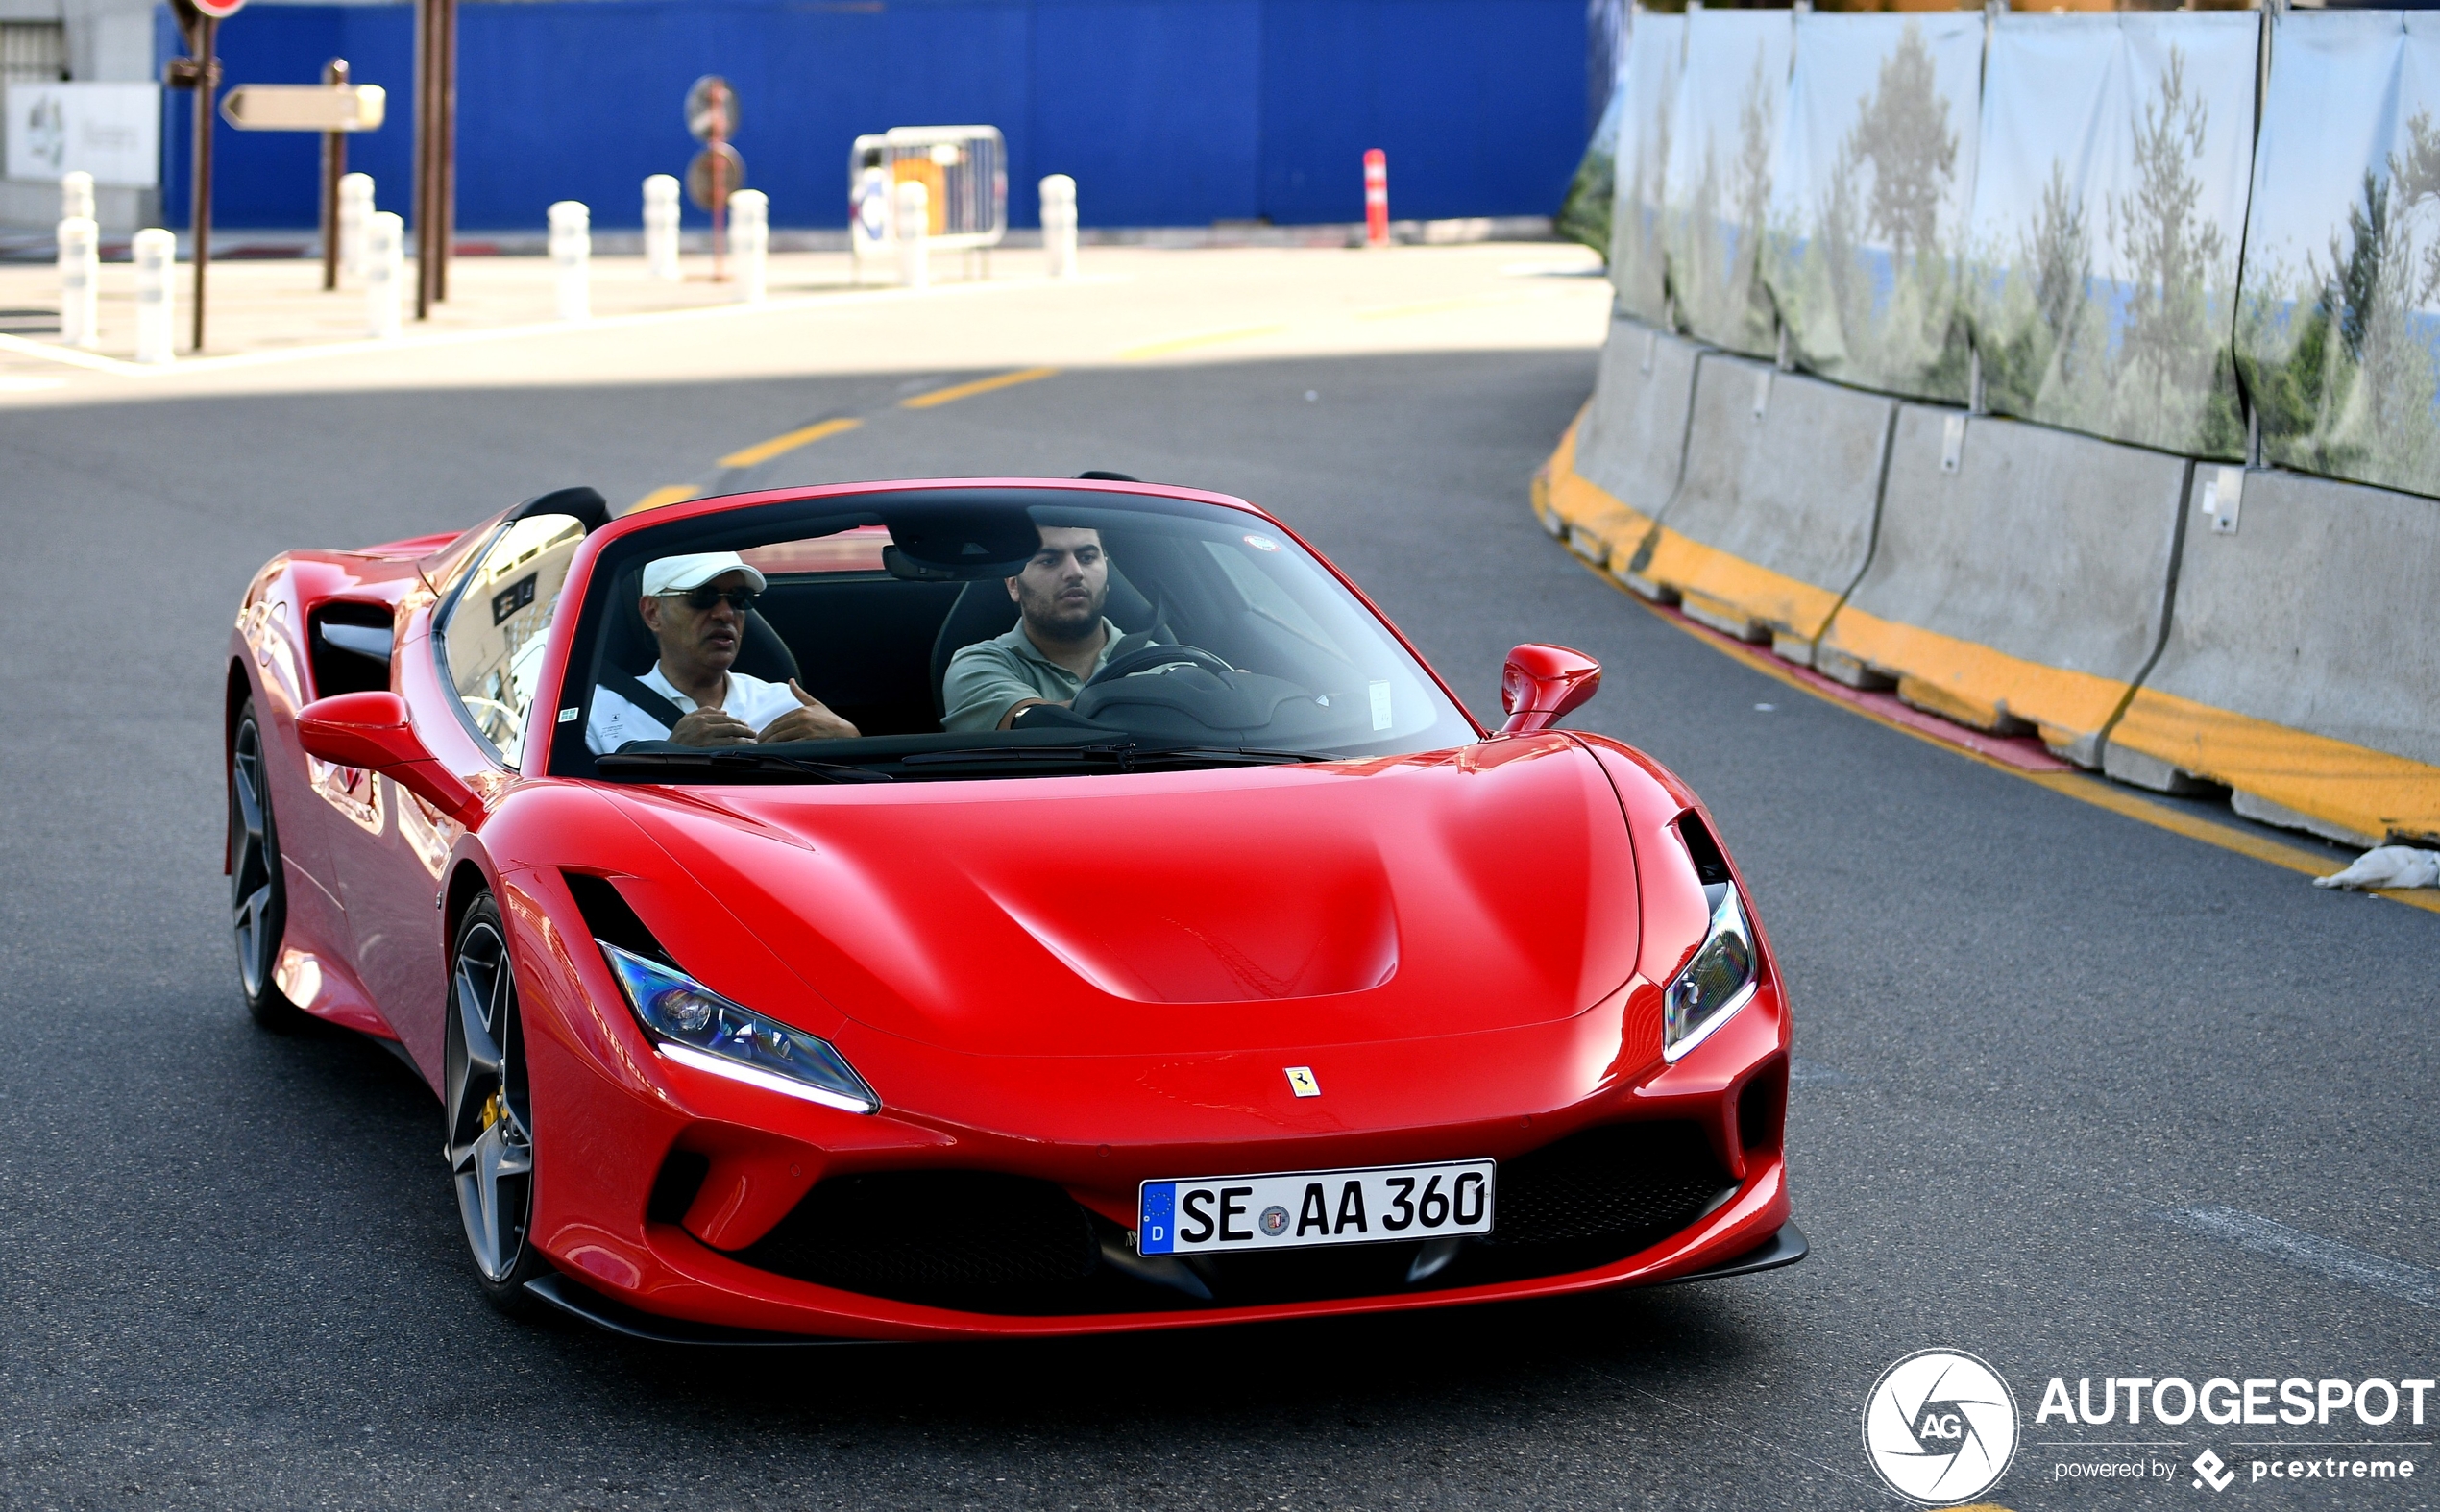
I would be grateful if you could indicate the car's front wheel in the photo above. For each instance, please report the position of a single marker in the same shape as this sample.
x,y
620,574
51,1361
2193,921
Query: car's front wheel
x,y
257,890
489,1103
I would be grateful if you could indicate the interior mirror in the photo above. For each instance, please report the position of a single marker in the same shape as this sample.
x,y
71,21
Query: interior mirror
x,y
371,730
1542,684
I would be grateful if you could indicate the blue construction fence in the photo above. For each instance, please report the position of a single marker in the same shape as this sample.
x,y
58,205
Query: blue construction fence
x,y
1166,112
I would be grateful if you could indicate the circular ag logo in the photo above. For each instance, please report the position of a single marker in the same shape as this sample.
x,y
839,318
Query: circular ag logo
x,y
1939,1427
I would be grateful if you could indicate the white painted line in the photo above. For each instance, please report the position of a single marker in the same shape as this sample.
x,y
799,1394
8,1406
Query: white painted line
x,y
2341,1261
71,355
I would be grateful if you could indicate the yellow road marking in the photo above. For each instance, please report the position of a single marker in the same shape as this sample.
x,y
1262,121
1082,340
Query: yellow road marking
x,y
672,494
1208,338
2098,791
764,451
950,396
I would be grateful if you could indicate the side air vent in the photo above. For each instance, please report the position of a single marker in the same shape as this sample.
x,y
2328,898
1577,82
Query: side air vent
x,y
1762,1109
1710,865
351,648
610,918
674,1189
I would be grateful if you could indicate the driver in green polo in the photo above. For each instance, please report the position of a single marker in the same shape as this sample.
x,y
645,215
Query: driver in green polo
x,y
1059,640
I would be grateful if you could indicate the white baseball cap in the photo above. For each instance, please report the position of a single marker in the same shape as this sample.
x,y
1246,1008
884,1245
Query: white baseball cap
x,y
675,574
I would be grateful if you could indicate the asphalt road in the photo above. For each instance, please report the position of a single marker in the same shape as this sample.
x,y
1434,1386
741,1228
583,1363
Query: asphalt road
x,y
2030,1033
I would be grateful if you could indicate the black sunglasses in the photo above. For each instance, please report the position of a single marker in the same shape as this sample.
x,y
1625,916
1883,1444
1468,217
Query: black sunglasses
x,y
704,598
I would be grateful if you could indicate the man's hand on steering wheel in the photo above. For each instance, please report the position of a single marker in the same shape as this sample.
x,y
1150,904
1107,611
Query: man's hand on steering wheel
x,y
1145,658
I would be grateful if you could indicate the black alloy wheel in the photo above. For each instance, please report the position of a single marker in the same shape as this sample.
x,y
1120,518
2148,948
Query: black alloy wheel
x,y
258,893
490,1109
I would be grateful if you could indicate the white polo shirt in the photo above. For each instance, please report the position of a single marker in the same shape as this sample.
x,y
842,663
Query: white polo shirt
x,y
615,720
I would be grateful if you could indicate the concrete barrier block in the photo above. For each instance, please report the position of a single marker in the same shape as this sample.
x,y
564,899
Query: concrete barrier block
x,y
1773,515
1629,443
1579,516
2019,580
2301,669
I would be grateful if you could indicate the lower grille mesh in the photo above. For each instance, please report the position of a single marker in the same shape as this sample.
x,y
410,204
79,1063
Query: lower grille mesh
x,y
1643,1179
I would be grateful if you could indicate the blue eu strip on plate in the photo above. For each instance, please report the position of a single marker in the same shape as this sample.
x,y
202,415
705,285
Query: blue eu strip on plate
x,y
1156,1234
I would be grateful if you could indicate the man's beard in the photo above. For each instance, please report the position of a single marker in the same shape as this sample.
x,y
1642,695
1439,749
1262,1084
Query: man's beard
x,y
1062,624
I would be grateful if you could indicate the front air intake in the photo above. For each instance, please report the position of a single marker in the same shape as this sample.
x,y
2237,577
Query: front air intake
x,y
974,1240
1632,1185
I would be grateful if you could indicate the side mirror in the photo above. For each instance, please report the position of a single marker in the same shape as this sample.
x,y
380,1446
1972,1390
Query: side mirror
x,y
1542,684
371,730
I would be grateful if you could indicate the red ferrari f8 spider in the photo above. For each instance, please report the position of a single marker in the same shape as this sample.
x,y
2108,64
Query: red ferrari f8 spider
x,y
941,909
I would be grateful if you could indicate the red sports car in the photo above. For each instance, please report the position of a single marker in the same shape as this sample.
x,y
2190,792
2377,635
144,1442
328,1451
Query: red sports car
x,y
937,909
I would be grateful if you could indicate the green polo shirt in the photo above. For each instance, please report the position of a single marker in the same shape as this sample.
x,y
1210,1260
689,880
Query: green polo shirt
x,y
988,677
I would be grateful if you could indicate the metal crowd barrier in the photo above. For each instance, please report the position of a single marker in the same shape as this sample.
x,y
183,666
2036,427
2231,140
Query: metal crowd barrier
x,y
963,170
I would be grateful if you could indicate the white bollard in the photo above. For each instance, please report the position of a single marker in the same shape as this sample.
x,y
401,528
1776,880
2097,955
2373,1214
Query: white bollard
x,y
869,221
384,275
749,236
660,228
1058,225
80,282
914,230
572,257
76,196
355,210
155,261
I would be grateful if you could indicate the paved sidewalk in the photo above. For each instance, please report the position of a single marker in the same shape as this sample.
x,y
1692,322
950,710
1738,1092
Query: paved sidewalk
x,y
258,305
272,326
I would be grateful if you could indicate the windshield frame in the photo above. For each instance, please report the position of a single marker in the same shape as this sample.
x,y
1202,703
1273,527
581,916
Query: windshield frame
x,y
543,752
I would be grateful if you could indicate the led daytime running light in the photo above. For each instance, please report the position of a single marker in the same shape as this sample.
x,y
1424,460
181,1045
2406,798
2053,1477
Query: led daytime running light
x,y
695,1026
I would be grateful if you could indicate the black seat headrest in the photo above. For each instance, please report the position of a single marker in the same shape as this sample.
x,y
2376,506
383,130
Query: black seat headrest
x,y
586,505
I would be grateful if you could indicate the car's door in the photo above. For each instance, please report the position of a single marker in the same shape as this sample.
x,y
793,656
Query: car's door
x,y
465,667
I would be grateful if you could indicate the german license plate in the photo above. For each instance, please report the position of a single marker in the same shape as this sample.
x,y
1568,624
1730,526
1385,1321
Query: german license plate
x,y
1301,1209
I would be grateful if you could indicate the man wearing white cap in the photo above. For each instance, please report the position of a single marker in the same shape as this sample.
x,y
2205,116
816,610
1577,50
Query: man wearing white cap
x,y
695,608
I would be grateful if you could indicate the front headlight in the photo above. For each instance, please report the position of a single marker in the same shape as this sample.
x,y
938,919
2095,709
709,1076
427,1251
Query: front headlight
x,y
695,1026
1717,981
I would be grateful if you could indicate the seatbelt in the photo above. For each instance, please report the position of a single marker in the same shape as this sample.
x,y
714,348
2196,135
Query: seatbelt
x,y
634,691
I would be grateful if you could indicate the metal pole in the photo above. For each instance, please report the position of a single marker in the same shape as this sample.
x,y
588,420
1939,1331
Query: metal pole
x,y
334,163
423,114
431,145
207,86
444,242
719,180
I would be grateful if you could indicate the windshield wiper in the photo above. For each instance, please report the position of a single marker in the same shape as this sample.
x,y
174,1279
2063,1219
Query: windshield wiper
x,y
734,759
1231,755
1125,755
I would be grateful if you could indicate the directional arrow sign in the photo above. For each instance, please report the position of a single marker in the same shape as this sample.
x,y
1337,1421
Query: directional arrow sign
x,y
303,107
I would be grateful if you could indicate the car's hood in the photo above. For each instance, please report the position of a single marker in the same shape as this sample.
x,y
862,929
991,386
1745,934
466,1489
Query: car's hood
x,y
1181,912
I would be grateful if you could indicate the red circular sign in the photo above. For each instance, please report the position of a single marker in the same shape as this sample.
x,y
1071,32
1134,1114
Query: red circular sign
x,y
219,10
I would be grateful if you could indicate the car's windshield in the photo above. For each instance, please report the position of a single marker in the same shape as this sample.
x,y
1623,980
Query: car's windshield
x,y
949,633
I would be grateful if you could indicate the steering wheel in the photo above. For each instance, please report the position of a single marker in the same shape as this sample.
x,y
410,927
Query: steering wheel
x,y
1145,658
